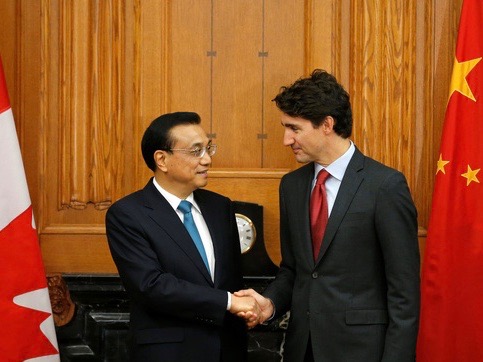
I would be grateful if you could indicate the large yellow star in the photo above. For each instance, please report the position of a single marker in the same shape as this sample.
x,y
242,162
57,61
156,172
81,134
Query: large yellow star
x,y
441,164
458,78
470,175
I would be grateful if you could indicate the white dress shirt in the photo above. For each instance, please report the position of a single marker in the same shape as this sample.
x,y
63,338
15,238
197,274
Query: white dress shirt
x,y
337,170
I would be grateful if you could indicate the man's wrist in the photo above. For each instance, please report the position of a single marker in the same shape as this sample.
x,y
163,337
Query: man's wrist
x,y
269,319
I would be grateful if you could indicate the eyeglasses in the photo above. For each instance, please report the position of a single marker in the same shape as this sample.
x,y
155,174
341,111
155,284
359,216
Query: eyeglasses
x,y
198,151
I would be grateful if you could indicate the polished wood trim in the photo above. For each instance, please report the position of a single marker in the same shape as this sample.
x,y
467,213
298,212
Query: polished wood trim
x,y
78,229
247,173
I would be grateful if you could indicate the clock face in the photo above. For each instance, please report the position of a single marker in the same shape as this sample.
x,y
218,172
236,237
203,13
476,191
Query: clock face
x,y
247,232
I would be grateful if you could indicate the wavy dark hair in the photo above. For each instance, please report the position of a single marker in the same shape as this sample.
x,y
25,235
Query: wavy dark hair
x,y
316,97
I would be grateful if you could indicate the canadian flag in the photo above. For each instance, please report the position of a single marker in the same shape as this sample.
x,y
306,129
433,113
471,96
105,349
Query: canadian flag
x,y
27,330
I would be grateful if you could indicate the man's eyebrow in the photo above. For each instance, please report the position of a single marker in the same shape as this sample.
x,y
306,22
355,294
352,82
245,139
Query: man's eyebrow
x,y
200,144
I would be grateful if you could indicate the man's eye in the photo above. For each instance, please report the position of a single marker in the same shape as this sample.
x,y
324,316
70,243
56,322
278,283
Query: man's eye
x,y
196,151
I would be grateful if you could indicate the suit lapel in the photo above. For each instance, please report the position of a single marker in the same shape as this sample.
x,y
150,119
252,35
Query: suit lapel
x,y
348,188
301,186
163,214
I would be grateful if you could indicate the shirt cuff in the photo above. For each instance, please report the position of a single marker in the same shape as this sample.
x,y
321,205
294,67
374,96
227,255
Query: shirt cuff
x,y
228,304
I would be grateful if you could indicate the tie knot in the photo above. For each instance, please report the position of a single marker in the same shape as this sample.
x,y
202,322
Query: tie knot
x,y
184,206
322,176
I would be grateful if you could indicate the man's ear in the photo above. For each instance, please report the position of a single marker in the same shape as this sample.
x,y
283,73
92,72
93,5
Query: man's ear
x,y
160,160
328,124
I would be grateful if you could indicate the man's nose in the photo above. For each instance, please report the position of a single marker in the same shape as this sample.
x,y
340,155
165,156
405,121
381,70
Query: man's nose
x,y
288,138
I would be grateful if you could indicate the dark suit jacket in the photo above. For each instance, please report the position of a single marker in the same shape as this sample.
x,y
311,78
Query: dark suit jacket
x,y
360,300
177,312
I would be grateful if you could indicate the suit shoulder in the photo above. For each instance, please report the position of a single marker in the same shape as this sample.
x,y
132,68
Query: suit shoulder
x,y
136,195
127,201
299,172
383,175
210,196
376,165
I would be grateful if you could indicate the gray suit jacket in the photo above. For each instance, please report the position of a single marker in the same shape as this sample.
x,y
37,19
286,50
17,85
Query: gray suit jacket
x,y
360,300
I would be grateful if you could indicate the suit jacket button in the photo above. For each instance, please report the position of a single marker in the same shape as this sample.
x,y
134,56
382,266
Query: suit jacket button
x,y
315,275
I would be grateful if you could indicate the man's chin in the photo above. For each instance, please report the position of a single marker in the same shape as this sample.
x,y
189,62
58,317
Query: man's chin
x,y
301,158
202,183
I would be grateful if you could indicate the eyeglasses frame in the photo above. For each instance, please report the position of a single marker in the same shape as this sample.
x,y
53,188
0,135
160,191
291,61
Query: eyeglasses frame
x,y
202,149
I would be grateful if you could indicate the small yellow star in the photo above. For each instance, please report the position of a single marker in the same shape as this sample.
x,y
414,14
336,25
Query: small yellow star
x,y
441,164
470,175
458,78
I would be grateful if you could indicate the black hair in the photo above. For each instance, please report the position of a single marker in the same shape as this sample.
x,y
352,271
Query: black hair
x,y
316,97
158,135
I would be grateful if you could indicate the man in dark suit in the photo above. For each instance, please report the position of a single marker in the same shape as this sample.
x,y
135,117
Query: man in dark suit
x,y
353,290
179,280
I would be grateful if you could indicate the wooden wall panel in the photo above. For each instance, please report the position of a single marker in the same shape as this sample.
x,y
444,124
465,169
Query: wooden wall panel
x,y
425,139
149,66
229,67
86,78
237,86
191,56
284,43
383,61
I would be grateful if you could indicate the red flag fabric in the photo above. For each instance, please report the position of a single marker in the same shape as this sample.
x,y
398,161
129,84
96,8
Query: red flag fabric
x,y
27,330
451,325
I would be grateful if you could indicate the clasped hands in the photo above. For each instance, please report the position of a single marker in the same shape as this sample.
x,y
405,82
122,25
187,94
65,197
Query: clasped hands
x,y
251,306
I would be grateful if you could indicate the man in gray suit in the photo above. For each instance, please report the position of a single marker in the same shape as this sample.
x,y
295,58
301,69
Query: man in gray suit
x,y
352,286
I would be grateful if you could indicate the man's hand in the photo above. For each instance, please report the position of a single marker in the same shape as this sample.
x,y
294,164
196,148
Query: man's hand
x,y
245,306
265,306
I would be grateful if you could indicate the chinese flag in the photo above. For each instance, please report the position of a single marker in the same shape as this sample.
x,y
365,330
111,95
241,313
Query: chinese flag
x,y
451,326
27,330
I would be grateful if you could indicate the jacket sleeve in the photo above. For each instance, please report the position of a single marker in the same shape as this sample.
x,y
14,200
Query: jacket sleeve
x,y
280,290
397,231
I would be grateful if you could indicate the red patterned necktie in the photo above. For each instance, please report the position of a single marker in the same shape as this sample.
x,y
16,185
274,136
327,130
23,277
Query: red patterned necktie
x,y
319,212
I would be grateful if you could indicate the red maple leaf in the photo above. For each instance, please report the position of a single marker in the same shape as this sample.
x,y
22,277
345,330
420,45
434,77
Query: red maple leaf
x,y
21,271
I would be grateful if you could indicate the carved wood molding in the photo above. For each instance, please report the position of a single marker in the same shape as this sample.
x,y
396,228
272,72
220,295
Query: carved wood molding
x,y
90,75
62,306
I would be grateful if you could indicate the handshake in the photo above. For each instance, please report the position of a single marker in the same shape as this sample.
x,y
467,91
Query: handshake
x,y
251,306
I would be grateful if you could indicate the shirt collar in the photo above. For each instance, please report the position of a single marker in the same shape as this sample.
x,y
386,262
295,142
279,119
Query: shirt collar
x,y
175,200
338,167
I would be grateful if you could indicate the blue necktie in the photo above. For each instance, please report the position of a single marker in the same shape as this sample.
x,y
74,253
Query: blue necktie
x,y
189,223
